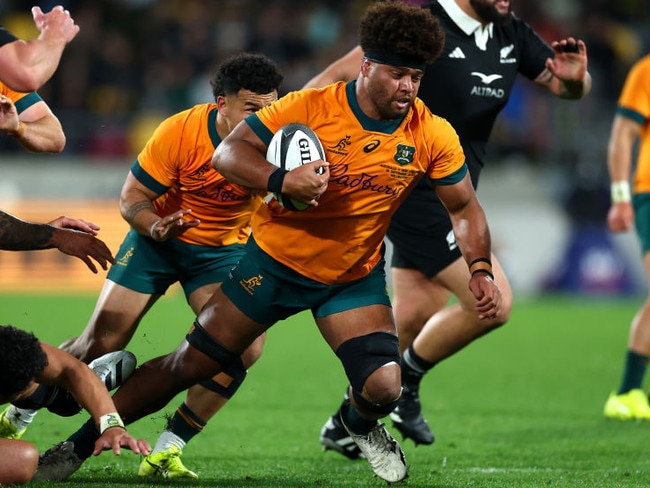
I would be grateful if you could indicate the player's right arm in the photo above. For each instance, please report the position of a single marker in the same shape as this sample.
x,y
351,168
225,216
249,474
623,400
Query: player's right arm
x,y
345,68
26,65
137,208
67,372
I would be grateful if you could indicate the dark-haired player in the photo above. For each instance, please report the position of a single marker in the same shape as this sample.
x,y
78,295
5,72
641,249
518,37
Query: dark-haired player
x,y
486,47
26,364
329,258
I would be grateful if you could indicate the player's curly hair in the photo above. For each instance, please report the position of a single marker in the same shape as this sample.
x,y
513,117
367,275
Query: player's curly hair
x,y
247,71
402,29
21,359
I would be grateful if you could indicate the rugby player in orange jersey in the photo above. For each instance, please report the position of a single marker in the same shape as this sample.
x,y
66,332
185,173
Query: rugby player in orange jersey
x,y
380,140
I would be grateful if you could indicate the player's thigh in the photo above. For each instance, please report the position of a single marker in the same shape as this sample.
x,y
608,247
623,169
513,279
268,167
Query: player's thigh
x,y
340,327
227,325
116,316
199,297
416,294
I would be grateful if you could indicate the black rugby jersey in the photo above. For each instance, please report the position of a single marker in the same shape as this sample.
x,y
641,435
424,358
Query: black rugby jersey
x,y
6,37
469,87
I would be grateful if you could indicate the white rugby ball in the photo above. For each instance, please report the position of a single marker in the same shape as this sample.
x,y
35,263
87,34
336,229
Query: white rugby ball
x,y
291,147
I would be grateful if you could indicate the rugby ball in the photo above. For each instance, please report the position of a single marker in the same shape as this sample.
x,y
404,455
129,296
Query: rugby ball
x,y
291,147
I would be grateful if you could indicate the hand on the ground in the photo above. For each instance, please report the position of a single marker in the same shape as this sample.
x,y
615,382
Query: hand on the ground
x,y
116,437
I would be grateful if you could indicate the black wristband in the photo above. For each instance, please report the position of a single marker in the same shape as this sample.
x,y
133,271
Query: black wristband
x,y
480,260
487,272
276,179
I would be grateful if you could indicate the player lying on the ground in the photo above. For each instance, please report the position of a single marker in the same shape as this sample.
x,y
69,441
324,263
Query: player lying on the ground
x,y
25,364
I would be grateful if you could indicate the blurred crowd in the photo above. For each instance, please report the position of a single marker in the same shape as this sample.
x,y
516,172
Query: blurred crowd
x,y
136,61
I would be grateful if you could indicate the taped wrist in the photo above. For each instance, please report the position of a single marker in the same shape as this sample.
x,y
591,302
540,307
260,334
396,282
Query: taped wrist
x,y
109,421
620,192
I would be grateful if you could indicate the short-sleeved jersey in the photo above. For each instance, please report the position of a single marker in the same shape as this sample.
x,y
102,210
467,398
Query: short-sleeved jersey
x,y
6,37
176,163
373,165
634,103
21,100
469,87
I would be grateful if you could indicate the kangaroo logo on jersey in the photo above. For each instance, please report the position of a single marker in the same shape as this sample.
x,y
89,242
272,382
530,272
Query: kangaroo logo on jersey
x,y
505,53
485,90
341,147
124,259
250,284
404,154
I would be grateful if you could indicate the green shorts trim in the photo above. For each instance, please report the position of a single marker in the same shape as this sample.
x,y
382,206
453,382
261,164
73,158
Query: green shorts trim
x,y
152,267
268,291
641,205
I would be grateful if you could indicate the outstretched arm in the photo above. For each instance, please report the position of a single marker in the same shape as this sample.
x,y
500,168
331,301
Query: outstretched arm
x,y
566,75
67,372
62,233
26,65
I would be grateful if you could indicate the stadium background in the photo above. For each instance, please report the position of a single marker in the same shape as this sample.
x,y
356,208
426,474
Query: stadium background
x,y
135,62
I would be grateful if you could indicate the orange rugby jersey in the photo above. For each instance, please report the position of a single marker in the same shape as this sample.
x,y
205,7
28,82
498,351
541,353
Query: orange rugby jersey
x,y
373,165
634,103
21,100
177,160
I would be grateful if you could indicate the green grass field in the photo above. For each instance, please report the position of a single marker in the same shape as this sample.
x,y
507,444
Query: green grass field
x,y
521,407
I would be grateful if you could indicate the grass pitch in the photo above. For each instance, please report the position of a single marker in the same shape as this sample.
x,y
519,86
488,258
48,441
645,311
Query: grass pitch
x,y
522,407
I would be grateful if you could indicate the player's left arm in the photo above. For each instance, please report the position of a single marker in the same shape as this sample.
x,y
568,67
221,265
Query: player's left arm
x,y
36,128
473,237
67,372
566,74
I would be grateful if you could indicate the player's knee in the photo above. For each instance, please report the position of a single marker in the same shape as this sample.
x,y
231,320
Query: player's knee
x,y
24,462
383,386
198,362
371,363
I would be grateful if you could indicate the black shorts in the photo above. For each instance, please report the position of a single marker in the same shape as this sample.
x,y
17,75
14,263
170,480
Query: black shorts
x,y
422,235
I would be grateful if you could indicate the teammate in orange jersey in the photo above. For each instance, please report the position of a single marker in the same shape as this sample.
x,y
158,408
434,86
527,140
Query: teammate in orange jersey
x,y
379,140
188,225
630,125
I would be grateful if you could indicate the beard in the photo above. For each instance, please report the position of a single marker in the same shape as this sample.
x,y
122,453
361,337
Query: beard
x,y
487,10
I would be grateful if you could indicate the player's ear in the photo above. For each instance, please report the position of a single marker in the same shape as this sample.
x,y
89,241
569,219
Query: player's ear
x,y
366,66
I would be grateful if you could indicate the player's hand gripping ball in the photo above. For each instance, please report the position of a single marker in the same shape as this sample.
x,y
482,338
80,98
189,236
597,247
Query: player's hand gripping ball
x,y
291,147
